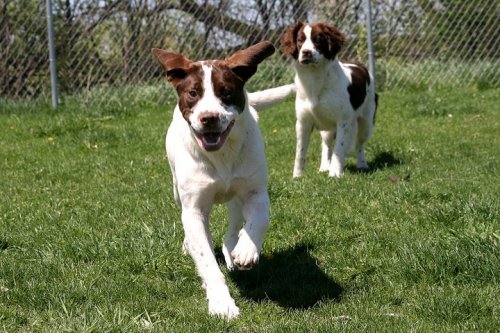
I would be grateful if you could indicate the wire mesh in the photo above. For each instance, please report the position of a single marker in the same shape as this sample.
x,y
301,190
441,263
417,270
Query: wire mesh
x,y
103,46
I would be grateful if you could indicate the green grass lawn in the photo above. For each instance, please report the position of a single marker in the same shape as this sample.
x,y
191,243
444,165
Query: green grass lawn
x,y
90,236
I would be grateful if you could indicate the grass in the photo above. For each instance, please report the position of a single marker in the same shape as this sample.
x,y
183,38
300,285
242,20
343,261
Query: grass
x,y
90,237
397,73
392,74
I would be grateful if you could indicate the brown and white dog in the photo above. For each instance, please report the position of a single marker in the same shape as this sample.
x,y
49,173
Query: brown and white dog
x,y
337,98
216,154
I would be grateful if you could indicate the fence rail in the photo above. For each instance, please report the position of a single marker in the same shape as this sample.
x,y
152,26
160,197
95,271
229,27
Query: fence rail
x,y
103,46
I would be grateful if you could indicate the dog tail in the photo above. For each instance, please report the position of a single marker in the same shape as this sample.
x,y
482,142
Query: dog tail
x,y
264,99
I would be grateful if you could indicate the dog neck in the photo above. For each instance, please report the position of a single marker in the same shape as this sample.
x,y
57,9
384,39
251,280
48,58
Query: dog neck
x,y
313,77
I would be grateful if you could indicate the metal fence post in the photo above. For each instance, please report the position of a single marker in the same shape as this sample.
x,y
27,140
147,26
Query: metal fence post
x,y
371,56
418,43
52,56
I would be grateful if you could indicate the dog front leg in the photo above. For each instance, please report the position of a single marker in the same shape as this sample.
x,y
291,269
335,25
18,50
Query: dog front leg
x,y
198,243
236,220
345,136
326,149
256,213
303,131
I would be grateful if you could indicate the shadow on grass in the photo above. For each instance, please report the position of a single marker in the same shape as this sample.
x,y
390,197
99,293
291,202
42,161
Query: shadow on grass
x,y
4,245
290,278
382,161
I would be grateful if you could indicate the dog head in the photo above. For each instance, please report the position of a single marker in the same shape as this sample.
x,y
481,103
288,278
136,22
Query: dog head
x,y
311,43
211,93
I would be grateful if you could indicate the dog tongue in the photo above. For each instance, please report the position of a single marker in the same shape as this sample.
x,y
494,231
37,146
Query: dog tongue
x,y
210,139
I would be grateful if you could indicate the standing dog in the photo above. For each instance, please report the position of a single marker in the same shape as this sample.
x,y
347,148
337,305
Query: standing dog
x,y
335,97
216,154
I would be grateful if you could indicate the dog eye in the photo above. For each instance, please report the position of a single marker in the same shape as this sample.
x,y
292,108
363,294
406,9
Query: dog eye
x,y
320,37
225,93
193,93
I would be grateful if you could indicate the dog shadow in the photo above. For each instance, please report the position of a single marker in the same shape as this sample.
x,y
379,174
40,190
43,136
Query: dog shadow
x,y
382,160
290,278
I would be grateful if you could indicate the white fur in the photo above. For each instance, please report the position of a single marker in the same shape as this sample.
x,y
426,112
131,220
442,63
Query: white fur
x,y
322,102
236,174
309,46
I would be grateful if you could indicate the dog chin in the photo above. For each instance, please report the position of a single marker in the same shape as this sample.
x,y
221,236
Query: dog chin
x,y
308,61
211,140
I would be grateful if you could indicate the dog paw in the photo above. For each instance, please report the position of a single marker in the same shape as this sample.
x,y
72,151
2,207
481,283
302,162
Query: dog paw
x,y
324,168
297,173
336,168
227,257
246,254
337,173
185,248
362,165
221,304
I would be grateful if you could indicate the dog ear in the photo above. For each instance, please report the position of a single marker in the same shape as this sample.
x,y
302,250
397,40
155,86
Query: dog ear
x,y
335,40
174,64
244,63
289,40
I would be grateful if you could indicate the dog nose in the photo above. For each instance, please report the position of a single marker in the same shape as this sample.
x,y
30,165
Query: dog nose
x,y
307,54
209,118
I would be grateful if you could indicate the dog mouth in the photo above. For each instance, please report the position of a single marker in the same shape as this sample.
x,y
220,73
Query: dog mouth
x,y
213,140
306,61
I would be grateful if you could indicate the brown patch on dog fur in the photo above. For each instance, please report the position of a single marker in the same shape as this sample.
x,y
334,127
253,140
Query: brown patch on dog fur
x,y
228,76
289,40
327,39
175,65
244,62
228,87
359,80
185,76
190,89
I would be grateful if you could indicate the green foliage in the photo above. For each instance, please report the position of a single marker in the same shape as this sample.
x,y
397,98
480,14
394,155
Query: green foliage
x,y
90,235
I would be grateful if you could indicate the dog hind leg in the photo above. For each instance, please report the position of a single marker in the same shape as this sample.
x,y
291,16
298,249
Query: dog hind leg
x,y
364,132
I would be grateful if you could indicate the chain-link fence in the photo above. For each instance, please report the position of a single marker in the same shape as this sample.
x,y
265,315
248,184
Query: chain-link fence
x,y
103,46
